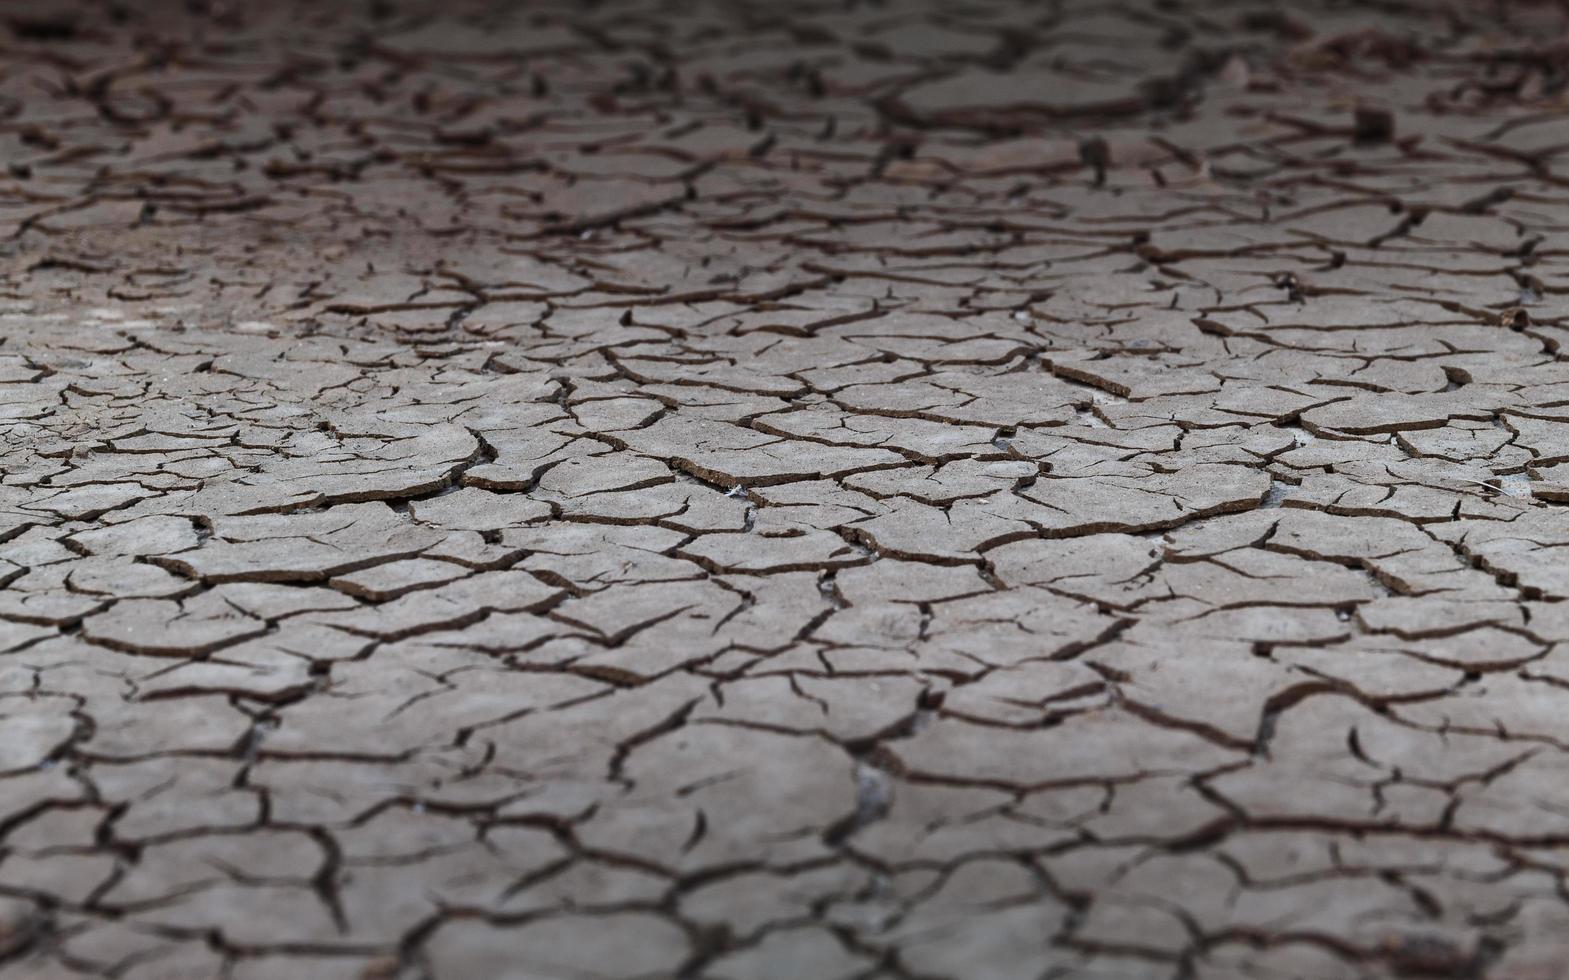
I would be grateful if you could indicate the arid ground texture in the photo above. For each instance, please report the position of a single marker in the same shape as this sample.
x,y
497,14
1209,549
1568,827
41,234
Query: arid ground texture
x,y
919,490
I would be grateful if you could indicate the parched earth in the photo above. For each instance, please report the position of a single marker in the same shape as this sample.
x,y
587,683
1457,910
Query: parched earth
x,y
810,491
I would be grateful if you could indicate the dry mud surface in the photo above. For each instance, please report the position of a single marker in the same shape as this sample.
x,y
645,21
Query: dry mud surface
x,y
807,491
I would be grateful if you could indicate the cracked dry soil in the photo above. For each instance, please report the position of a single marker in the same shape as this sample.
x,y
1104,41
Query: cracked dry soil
x,y
812,491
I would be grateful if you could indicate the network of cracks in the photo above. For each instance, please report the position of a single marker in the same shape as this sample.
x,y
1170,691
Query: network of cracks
x,y
829,490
